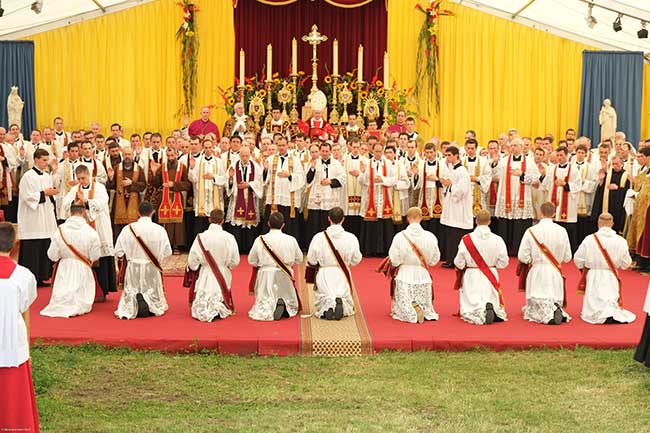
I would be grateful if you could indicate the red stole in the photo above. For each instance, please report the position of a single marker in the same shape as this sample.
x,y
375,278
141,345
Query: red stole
x,y
4,196
483,266
565,193
371,212
7,267
171,213
522,185
245,203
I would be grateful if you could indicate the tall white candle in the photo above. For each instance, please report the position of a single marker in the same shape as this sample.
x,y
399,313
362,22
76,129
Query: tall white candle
x,y
242,66
386,75
294,56
335,54
269,61
360,65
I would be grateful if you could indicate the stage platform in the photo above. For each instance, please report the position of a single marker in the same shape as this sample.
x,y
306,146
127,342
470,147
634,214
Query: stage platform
x,y
372,331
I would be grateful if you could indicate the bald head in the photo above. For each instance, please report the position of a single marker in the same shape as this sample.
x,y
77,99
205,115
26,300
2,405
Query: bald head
x,y
605,220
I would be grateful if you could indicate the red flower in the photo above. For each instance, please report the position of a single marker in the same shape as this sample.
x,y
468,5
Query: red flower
x,y
417,6
374,80
191,7
394,105
248,80
423,120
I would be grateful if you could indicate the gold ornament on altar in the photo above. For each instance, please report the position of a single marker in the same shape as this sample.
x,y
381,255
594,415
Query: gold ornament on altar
x,y
256,107
371,109
345,98
314,38
285,96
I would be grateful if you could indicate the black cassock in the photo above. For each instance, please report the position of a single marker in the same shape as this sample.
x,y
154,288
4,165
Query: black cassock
x,y
616,198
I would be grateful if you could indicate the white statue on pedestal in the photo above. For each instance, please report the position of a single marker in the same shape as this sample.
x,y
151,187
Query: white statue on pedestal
x,y
15,107
607,120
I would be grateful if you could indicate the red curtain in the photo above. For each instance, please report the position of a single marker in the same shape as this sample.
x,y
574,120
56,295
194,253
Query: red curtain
x,y
339,3
258,24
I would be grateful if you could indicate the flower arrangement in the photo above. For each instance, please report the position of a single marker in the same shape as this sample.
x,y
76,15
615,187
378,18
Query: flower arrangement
x,y
187,36
428,51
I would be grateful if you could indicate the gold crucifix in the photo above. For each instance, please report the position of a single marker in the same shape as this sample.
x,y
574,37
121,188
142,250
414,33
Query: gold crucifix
x,y
314,38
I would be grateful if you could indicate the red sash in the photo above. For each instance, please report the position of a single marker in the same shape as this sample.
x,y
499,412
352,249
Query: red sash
x,y
551,258
612,268
245,202
522,185
225,292
565,193
152,258
492,194
371,213
283,267
83,259
339,260
171,213
483,266
423,262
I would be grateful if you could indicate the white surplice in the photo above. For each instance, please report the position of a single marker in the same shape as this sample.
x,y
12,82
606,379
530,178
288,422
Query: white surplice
x,y
214,166
255,183
560,172
96,168
588,186
330,279
324,197
457,200
428,190
602,291
411,163
384,179
413,283
272,283
530,175
351,192
17,293
73,291
477,290
36,218
64,174
97,213
544,284
141,275
479,167
278,189
208,301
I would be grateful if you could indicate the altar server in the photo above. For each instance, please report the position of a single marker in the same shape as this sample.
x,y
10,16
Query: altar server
x,y
480,255
331,253
284,179
93,196
600,256
75,246
456,218
215,253
413,250
18,410
145,245
36,220
545,247
273,256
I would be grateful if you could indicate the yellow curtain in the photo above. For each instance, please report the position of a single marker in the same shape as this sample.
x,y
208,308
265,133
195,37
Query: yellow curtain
x,y
125,67
645,104
494,74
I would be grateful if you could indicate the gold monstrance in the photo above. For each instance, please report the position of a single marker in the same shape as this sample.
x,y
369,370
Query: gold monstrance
x,y
314,38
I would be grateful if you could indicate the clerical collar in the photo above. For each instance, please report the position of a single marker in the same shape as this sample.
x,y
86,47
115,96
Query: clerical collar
x,y
196,155
563,165
326,161
39,172
411,158
208,158
516,158
354,157
431,162
73,161
471,158
458,164
87,159
85,186
580,162
58,133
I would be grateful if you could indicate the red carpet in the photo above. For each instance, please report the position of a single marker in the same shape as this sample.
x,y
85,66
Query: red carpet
x,y
177,331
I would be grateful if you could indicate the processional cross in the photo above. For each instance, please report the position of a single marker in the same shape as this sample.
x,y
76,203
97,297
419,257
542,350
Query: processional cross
x,y
314,38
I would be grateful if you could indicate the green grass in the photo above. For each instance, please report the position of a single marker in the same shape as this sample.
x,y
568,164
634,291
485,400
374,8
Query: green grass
x,y
91,389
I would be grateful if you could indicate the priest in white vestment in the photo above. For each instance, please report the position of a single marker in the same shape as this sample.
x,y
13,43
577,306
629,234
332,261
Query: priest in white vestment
x,y
73,290
457,218
516,174
351,196
430,189
284,179
588,184
275,292
36,219
545,282
94,197
88,158
480,301
597,254
143,293
333,291
208,177
209,303
413,250
64,177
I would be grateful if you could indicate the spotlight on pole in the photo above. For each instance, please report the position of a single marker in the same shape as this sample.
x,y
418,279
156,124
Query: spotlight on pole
x,y
617,23
591,21
643,33
37,6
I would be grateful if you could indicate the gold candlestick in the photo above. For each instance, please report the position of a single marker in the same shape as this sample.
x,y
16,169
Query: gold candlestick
x,y
293,115
384,126
359,89
334,114
269,105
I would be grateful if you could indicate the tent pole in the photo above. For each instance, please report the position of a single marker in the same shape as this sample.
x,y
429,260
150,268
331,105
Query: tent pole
x,y
523,8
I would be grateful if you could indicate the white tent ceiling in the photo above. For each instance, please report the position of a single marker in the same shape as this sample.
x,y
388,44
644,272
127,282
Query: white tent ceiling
x,y
19,19
567,18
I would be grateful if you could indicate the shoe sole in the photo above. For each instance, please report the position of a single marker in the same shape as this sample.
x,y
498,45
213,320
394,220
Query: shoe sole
x,y
557,316
419,313
338,310
490,315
